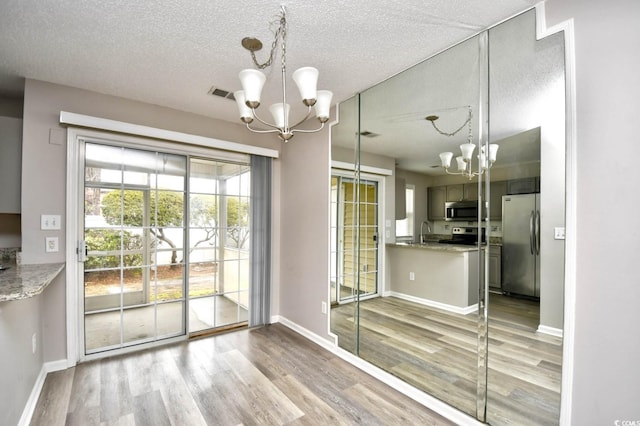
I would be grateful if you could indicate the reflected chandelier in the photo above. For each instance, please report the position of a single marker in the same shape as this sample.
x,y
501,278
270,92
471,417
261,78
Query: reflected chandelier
x,y
464,160
306,78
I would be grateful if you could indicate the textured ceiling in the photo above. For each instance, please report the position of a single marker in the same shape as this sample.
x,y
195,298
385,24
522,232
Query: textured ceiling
x,y
172,52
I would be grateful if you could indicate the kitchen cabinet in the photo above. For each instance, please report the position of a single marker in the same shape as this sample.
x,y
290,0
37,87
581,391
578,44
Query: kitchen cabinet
x,y
498,189
495,265
10,163
463,192
470,191
401,198
530,185
436,198
455,192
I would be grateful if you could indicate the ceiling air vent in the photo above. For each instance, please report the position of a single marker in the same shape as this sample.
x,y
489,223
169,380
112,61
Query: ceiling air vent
x,y
215,91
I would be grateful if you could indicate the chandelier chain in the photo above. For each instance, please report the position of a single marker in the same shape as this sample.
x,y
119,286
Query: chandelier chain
x,y
280,32
468,121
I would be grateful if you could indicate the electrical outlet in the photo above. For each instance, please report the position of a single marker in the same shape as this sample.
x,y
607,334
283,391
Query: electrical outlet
x,y
324,307
558,233
412,276
51,244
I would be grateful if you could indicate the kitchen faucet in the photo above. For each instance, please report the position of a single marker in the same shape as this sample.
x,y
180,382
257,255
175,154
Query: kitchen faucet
x,y
424,222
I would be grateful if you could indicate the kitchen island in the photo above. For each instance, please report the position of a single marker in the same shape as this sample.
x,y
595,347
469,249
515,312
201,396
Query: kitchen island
x,y
444,276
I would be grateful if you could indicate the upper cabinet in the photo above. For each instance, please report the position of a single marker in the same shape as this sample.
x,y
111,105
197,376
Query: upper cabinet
x,y
401,198
455,192
470,191
10,163
528,185
462,192
436,198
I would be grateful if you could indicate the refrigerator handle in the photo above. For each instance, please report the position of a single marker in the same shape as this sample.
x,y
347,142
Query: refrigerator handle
x,y
537,231
531,233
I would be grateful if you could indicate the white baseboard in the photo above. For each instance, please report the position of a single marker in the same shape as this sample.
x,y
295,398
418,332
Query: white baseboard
x,y
445,410
326,344
426,302
30,406
557,332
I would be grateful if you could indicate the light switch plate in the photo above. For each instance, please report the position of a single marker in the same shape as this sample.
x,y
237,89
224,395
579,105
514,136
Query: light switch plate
x,y
50,222
558,233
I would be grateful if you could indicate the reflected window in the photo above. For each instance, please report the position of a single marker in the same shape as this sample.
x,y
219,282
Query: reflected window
x,y
404,227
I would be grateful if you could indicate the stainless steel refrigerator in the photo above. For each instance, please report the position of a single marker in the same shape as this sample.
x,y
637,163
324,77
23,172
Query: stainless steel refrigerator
x,y
521,244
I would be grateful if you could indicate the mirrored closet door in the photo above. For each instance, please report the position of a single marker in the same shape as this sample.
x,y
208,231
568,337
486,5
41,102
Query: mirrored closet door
x,y
451,318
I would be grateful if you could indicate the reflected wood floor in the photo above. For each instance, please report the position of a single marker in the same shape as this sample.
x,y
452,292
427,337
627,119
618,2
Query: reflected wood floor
x,y
436,351
263,376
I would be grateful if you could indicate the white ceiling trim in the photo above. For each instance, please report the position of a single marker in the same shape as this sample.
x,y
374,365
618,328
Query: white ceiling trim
x,y
81,120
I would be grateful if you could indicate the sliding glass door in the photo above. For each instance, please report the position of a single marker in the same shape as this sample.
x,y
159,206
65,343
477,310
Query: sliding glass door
x,y
134,237
165,244
219,237
354,253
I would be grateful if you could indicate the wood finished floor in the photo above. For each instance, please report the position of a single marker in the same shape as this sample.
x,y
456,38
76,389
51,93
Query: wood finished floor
x,y
435,351
264,376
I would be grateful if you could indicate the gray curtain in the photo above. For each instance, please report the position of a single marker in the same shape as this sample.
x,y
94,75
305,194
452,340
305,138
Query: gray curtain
x,y
260,285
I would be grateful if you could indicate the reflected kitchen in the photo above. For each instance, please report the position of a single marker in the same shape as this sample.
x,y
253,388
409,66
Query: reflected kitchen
x,y
445,254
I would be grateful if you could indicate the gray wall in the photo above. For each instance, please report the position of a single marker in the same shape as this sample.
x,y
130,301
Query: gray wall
x,y
606,370
304,232
19,367
10,107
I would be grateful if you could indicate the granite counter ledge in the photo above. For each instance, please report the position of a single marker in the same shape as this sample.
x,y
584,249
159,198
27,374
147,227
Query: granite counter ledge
x,y
449,248
24,281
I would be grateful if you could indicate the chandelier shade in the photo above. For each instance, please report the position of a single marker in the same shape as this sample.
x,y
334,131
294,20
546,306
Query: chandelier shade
x,y
280,113
252,83
467,151
462,165
306,79
323,105
245,112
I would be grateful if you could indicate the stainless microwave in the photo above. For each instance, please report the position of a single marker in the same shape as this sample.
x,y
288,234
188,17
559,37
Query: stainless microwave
x,y
462,211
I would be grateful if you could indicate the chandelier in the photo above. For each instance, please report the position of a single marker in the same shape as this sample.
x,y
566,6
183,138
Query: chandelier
x,y
464,161
253,80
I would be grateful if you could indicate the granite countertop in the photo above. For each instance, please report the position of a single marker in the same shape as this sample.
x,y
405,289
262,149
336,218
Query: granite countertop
x,y
24,281
450,248
436,246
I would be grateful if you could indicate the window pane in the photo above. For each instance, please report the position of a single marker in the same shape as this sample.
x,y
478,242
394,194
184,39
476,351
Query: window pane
x,y
404,227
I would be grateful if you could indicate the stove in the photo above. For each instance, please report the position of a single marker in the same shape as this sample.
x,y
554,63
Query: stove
x,y
464,236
